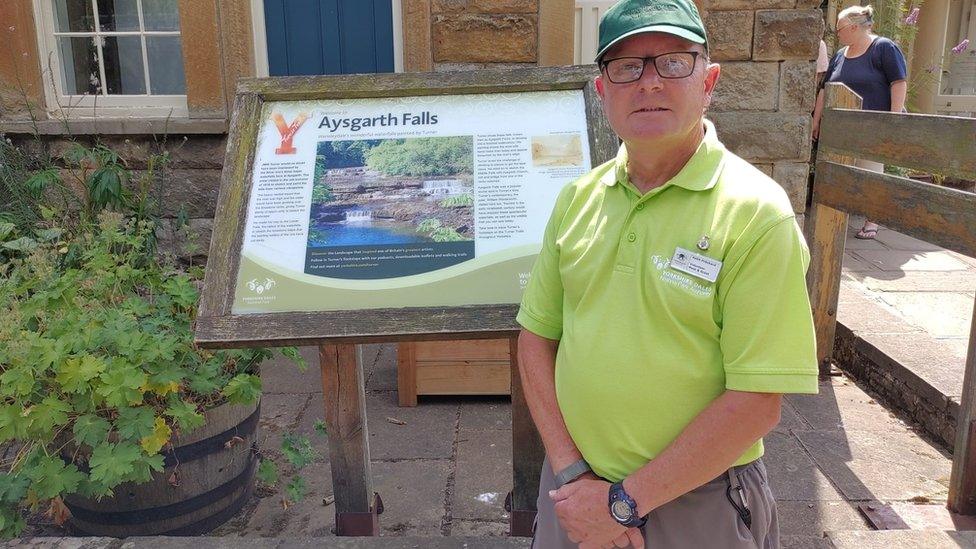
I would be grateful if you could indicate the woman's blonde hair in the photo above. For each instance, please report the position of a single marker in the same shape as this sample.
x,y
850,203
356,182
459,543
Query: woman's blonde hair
x,y
858,15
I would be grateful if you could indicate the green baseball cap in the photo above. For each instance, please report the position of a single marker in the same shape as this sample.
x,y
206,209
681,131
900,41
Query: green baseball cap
x,y
629,17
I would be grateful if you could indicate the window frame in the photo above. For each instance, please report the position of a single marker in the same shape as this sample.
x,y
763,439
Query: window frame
x,y
949,103
101,105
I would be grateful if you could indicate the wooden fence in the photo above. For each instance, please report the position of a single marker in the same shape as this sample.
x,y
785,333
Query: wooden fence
x,y
942,216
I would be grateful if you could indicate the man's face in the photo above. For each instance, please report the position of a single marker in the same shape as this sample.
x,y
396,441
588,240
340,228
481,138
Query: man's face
x,y
654,108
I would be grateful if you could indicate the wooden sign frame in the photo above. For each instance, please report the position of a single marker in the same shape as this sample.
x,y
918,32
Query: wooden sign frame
x,y
218,327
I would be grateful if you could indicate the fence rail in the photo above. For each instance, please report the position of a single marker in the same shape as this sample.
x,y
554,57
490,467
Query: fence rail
x,y
947,217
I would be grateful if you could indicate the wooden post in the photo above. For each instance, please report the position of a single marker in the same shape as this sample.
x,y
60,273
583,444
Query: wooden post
x,y
826,233
962,482
407,373
356,506
527,456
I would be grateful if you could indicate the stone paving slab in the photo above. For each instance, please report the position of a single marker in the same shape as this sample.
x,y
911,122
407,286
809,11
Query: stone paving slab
x,y
941,314
867,465
793,475
482,455
844,408
814,518
428,432
897,260
161,542
902,539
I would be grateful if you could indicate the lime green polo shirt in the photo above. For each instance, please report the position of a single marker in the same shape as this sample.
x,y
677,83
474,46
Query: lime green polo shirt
x,y
643,346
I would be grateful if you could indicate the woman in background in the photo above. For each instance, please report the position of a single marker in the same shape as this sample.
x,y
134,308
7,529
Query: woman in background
x,y
874,68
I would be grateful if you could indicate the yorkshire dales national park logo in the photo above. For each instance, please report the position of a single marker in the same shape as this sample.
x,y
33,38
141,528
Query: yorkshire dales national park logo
x,y
260,290
679,280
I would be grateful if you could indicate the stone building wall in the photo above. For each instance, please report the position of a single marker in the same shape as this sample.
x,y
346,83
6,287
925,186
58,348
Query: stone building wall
x,y
761,109
762,106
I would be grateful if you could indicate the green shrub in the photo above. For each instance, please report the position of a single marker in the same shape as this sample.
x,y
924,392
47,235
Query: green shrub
x,y
99,369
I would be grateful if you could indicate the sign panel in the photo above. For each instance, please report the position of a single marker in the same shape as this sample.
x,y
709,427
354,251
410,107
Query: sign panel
x,y
404,201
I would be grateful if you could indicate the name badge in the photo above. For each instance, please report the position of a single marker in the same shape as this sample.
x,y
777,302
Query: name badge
x,y
697,265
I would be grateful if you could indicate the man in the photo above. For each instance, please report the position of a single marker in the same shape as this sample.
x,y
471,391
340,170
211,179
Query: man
x,y
666,314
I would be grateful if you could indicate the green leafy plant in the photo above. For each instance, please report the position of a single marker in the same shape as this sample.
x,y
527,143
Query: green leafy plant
x,y
98,370
459,201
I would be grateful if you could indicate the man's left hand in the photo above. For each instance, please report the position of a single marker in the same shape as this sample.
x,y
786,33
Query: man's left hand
x,y
582,509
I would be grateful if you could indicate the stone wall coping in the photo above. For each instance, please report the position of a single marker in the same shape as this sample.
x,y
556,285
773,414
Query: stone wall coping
x,y
116,126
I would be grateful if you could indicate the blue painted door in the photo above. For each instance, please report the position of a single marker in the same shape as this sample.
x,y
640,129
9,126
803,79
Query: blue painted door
x,y
329,36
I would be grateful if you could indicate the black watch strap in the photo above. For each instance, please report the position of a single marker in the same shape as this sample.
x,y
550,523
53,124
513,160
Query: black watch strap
x,y
617,496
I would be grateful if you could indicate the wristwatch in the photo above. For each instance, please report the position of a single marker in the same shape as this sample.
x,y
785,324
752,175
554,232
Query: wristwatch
x,y
571,473
623,508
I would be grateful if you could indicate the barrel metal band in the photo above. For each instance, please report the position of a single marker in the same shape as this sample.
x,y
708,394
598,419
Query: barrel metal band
x,y
164,512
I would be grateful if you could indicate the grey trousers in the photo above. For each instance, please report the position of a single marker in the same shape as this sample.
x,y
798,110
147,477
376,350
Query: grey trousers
x,y
703,518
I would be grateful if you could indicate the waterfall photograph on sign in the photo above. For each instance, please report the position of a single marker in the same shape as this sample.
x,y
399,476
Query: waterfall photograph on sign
x,y
373,193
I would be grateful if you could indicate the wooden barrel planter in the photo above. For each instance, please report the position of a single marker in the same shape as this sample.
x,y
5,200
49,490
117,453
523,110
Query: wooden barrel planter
x,y
214,469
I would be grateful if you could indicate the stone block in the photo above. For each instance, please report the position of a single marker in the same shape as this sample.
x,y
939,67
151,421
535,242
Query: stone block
x,y
765,136
793,177
194,190
797,86
747,86
186,243
730,35
484,6
764,168
787,34
725,5
482,38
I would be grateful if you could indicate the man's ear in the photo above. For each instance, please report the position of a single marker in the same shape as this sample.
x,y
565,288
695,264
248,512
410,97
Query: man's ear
x,y
712,73
598,82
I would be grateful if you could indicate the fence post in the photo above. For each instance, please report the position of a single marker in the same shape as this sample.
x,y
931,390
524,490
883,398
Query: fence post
x,y
962,481
826,232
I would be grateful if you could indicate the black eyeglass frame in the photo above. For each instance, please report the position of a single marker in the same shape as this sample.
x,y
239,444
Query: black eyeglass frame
x,y
653,59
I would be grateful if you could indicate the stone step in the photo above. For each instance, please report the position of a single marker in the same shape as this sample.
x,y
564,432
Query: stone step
x,y
203,542
902,539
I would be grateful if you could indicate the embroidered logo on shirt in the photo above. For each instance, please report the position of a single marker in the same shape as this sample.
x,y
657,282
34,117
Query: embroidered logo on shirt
x,y
679,280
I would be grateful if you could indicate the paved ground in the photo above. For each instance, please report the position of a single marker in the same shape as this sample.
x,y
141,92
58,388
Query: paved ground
x,y
446,471
927,289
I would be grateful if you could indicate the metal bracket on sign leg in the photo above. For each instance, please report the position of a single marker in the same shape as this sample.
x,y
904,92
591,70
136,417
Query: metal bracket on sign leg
x,y
360,524
520,521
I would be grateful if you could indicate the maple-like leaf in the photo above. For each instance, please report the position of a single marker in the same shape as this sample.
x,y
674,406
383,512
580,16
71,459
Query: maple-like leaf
x,y
50,413
75,374
184,414
296,489
159,437
113,463
243,389
135,423
51,477
120,386
268,472
297,450
91,430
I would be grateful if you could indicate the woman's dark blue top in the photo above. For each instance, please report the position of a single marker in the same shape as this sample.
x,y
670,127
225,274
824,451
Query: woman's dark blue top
x,y
870,74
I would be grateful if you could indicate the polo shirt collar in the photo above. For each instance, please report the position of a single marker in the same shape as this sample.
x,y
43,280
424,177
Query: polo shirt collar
x,y
699,174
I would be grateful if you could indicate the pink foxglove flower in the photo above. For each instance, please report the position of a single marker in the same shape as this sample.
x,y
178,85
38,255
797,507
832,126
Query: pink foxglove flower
x,y
912,18
961,46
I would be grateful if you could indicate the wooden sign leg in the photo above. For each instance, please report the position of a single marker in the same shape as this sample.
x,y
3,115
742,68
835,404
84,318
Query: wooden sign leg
x,y
357,506
527,457
962,481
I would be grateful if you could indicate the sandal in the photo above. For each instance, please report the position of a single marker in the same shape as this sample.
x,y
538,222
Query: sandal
x,y
866,234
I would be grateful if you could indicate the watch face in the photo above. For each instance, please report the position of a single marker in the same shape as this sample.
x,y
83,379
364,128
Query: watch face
x,y
621,510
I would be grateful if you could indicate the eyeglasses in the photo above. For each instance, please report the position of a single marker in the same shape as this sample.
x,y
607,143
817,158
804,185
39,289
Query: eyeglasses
x,y
837,30
676,64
